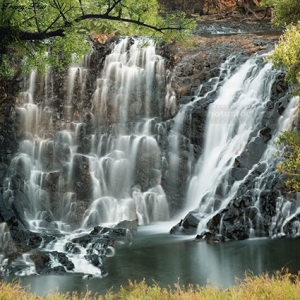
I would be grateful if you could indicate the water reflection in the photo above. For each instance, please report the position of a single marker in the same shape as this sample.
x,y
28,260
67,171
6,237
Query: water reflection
x,y
167,259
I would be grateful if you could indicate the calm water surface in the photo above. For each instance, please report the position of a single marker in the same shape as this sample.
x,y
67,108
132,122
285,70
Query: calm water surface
x,y
166,259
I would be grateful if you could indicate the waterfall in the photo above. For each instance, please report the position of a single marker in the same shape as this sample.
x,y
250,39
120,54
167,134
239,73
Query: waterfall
x,y
234,148
96,174
90,156
100,148
231,119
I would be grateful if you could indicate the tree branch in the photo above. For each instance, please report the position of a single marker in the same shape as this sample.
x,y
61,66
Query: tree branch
x,y
35,18
81,8
54,21
111,8
120,19
39,36
59,7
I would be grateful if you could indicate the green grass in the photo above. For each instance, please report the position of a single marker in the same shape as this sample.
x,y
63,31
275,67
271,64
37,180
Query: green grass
x,y
281,286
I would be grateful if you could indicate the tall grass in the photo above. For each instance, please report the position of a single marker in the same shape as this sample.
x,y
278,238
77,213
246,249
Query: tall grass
x,y
281,286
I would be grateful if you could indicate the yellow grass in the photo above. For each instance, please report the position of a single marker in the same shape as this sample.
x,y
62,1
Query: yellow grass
x,y
281,286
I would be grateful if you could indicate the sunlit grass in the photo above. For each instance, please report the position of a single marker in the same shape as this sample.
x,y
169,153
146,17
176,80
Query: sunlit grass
x,y
281,285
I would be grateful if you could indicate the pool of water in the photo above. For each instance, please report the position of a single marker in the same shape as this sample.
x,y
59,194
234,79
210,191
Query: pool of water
x,y
157,256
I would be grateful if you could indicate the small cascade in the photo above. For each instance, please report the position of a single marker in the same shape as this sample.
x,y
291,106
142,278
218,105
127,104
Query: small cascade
x,y
5,239
28,111
286,219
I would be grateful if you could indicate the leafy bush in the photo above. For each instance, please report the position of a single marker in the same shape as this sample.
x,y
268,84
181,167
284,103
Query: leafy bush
x,y
284,12
290,166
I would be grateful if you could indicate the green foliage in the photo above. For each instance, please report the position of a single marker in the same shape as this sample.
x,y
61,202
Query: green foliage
x,y
287,54
290,166
284,12
50,31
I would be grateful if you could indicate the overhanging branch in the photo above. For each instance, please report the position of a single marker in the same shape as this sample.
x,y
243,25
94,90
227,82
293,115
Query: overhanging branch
x,y
120,19
35,36
60,32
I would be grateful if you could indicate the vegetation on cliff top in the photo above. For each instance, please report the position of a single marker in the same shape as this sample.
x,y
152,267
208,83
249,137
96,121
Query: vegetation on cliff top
x,y
287,51
282,285
49,32
290,166
287,55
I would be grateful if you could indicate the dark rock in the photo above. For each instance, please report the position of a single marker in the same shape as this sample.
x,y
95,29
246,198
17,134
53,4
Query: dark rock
x,y
252,153
63,259
266,133
41,261
72,248
6,215
188,225
25,240
83,241
94,259
239,173
237,232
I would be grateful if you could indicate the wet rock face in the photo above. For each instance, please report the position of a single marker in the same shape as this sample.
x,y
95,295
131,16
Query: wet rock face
x,y
188,225
194,71
82,183
195,74
8,143
252,209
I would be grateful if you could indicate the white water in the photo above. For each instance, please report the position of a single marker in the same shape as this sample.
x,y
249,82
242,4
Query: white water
x,y
232,121
286,210
175,136
106,163
133,81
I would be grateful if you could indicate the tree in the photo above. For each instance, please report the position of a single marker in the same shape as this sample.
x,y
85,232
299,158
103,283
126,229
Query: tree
x,y
45,31
284,12
287,55
287,52
290,166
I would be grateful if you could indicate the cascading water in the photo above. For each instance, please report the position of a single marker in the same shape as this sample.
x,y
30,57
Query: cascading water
x,y
231,120
235,147
96,154
101,165
98,172
286,210
180,148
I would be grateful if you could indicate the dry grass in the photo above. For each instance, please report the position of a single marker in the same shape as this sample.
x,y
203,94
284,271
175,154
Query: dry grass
x,y
282,285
